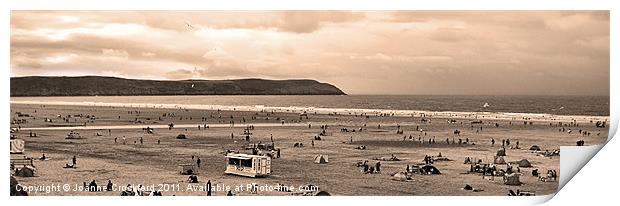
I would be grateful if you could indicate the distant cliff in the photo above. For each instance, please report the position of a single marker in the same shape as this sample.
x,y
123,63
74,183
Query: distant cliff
x,y
112,86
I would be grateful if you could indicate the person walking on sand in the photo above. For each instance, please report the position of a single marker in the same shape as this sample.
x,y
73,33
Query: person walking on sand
x,y
115,138
74,160
492,142
109,186
141,141
208,187
312,143
198,162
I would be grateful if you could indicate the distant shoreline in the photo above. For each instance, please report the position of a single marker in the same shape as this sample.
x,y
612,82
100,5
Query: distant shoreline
x,y
45,86
511,116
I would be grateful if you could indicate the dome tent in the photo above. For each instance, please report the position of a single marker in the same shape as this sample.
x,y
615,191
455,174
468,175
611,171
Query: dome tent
x,y
401,176
429,169
499,160
321,159
524,163
25,171
512,179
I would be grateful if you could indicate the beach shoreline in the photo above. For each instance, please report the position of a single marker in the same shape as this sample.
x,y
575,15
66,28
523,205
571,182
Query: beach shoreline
x,y
341,111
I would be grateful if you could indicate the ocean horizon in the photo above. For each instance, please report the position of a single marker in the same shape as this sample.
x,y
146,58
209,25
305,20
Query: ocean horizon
x,y
532,104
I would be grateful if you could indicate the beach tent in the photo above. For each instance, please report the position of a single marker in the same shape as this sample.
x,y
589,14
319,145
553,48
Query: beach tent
x,y
535,148
187,169
16,189
321,159
512,179
501,152
25,171
322,193
499,160
429,169
17,146
401,176
181,136
524,163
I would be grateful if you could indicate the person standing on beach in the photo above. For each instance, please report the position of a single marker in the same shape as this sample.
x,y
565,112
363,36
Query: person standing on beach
x,y
492,141
74,160
115,138
198,162
141,141
208,187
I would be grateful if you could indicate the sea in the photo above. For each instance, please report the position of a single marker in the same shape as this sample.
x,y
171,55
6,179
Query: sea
x,y
554,105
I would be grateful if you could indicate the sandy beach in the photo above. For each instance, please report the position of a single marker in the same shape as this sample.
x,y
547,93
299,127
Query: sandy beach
x,y
100,158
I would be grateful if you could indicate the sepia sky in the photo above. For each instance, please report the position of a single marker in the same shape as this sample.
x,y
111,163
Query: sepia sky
x,y
383,52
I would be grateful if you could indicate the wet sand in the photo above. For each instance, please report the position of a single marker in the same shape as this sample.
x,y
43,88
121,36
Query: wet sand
x,y
101,159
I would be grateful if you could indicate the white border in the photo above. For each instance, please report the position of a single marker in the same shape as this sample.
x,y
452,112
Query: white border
x,y
586,187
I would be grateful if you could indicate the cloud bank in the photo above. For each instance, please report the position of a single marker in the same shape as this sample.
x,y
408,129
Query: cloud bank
x,y
400,52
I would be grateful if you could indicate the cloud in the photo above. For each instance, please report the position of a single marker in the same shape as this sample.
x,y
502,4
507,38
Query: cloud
x,y
148,54
449,35
402,52
286,21
180,74
115,53
216,53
